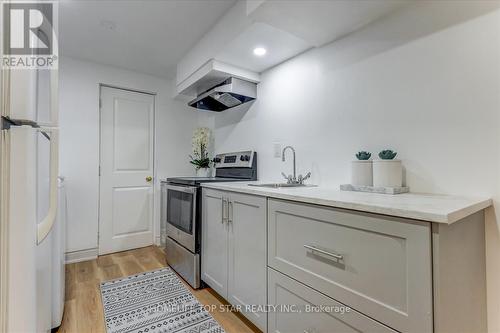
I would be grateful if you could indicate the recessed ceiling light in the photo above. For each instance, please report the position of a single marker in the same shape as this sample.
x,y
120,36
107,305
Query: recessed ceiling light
x,y
259,51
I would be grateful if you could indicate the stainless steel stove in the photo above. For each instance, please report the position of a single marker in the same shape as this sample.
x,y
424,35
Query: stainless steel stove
x,y
181,210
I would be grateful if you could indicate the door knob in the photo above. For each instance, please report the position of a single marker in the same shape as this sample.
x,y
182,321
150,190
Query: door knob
x,y
149,178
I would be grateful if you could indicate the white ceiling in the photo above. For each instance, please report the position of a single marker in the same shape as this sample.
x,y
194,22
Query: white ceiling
x,y
318,21
285,28
146,36
279,44
152,36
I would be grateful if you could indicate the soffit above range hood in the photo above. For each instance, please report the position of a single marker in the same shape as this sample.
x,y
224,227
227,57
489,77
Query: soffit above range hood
x,y
225,95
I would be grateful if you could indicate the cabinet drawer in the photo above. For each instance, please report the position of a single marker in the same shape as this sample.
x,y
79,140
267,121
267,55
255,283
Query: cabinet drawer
x,y
319,314
377,265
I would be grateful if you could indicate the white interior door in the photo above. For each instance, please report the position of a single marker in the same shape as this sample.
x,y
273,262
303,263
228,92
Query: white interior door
x,y
126,182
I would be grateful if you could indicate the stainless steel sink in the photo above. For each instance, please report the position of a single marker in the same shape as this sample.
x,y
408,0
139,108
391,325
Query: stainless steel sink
x,y
278,185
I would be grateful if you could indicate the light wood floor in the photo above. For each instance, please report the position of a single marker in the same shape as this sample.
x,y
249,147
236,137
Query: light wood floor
x,y
83,311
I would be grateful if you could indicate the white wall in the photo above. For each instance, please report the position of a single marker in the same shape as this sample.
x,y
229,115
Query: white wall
x,y
424,82
79,151
227,28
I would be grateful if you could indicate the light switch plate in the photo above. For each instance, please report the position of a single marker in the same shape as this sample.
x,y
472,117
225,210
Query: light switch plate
x,y
277,149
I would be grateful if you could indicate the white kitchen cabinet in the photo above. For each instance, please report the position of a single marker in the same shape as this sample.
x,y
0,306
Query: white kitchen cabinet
x,y
234,250
247,255
214,244
413,276
394,273
300,309
378,265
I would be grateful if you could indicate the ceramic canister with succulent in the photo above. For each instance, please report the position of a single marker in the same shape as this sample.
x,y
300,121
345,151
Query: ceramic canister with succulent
x,y
387,172
199,158
361,169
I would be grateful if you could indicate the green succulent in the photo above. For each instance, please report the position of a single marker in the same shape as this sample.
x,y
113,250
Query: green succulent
x,y
387,154
363,155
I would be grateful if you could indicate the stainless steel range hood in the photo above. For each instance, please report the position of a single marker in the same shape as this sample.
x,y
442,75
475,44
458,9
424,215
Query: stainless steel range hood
x,y
227,94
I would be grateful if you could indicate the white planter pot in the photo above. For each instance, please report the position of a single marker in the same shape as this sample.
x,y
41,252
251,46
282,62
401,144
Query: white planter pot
x,y
387,173
204,172
361,173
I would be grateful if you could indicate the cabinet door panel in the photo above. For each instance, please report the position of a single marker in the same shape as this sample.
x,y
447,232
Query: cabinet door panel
x,y
214,242
247,256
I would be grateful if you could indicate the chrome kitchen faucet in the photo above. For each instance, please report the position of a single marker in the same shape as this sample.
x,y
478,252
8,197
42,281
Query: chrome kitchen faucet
x,y
293,179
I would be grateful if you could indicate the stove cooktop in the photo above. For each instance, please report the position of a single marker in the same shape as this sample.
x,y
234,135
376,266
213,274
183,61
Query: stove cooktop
x,y
198,180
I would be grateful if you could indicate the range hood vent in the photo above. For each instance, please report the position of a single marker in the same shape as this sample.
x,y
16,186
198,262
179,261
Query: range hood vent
x,y
227,94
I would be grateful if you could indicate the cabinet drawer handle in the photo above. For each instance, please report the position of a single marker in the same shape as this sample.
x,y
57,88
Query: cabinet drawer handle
x,y
315,249
229,211
223,210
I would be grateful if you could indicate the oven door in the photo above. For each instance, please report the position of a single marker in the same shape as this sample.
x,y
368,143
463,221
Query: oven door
x,y
181,214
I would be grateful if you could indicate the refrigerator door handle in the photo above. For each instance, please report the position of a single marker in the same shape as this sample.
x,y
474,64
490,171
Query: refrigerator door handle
x,y
45,226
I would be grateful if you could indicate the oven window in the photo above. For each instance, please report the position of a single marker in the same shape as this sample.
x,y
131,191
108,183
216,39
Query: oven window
x,y
180,210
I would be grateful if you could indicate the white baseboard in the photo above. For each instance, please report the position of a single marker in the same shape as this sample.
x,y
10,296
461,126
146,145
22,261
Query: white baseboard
x,y
81,255
157,240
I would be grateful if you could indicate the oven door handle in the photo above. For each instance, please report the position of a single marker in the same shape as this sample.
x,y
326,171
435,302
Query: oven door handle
x,y
185,189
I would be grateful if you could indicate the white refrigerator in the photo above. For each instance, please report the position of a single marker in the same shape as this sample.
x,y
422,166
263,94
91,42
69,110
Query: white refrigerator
x,y
29,257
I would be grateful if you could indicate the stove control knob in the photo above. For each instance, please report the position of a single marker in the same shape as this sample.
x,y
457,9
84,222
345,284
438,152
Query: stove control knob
x,y
242,158
217,160
247,157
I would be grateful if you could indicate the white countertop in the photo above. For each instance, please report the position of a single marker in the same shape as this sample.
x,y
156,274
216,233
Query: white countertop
x,y
427,207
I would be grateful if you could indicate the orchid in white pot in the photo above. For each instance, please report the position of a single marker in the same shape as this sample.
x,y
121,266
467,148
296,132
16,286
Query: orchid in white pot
x,y
199,158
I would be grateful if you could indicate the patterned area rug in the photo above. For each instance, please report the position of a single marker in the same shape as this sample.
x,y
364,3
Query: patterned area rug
x,y
154,302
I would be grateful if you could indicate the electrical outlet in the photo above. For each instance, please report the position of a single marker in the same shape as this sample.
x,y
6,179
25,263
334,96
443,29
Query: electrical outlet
x,y
277,149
